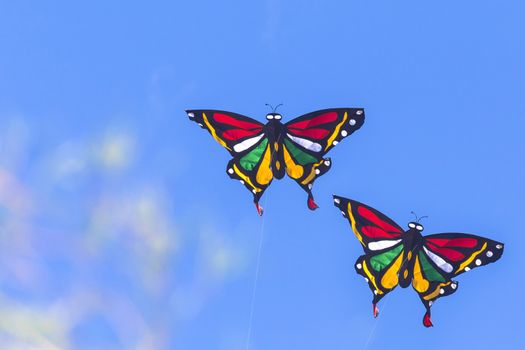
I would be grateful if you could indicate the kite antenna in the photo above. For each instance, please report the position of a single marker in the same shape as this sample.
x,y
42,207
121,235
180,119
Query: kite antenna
x,y
418,219
273,109
425,216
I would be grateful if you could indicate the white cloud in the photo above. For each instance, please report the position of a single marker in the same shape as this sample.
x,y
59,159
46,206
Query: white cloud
x,y
116,150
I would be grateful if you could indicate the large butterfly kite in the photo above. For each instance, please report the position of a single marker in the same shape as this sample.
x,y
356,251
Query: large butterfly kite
x,y
262,152
394,256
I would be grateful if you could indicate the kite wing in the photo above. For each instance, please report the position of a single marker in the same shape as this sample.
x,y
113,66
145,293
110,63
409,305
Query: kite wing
x,y
444,256
317,132
246,141
309,137
376,231
381,271
235,132
456,253
381,240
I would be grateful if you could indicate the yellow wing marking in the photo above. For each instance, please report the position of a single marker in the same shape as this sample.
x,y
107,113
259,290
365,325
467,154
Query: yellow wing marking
x,y
312,174
390,278
264,174
371,277
213,132
435,293
420,284
293,170
352,220
245,178
472,257
336,131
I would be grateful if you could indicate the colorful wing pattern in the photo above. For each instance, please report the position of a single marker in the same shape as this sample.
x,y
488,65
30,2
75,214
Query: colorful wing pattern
x,y
382,243
444,256
375,231
381,271
309,137
319,131
235,132
246,141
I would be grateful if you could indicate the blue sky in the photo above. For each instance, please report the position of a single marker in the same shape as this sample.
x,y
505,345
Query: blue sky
x,y
120,230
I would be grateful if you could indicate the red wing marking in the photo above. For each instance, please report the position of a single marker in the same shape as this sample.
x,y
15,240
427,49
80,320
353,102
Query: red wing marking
x,y
454,242
370,216
375,232
226,119
235,134
320,119
448,253
317,134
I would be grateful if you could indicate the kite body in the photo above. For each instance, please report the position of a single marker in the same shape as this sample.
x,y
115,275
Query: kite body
x,y
262,152
394,256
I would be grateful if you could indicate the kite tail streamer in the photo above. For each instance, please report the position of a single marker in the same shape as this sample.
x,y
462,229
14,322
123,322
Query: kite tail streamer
x,y
427,322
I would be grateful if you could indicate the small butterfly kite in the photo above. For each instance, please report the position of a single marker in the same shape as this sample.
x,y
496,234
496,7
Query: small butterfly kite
x,y
394,256
262,152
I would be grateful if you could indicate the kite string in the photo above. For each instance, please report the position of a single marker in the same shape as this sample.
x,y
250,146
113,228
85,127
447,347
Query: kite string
x,y
256,279
257,264
372,331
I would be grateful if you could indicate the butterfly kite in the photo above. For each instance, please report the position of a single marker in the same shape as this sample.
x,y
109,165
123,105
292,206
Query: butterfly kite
x,y
394,256
262,152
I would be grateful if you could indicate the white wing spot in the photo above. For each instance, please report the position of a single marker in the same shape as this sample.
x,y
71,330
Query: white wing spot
x,y
317,171
379,245
490,254
244,145
359,266
366,279
342,212
430,303
352,122
310,186
499,246
454,285
375,291
478,262
344,133
191,115
309,145
442,264
242,181
467,269
335,143
336,200
327,162
230,171
254,191
202,126
441,291
359,112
